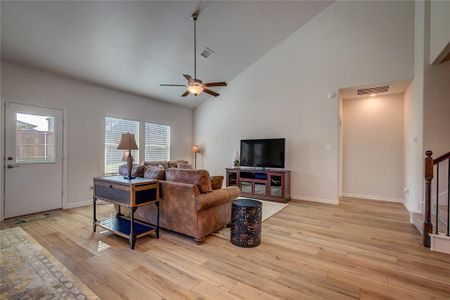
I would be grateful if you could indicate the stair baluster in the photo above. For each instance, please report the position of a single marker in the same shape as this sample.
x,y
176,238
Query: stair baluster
x,y
427,225
437,200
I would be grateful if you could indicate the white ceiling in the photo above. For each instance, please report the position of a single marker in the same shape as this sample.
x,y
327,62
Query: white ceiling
x,y
134,46
395,87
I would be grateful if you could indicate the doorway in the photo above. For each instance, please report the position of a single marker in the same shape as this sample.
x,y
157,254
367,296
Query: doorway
x,y
371,147
33,159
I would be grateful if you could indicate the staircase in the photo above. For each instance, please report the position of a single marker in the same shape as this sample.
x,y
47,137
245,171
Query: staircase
x,y
435,220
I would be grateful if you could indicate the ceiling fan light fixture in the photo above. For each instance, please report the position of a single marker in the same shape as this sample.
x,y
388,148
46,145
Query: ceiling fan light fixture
x,y
195,89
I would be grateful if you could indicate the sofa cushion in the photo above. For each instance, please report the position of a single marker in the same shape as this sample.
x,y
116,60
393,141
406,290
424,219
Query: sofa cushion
x,y
216,182
182,165
174,163
154,172
156,163
137,171
198,177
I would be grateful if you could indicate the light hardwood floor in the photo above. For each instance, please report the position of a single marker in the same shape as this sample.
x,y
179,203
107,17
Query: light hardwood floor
x,y
358,249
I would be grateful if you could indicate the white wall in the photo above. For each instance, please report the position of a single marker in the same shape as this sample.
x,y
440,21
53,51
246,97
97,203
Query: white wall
x,y
373,147
284,94
86,106
439,27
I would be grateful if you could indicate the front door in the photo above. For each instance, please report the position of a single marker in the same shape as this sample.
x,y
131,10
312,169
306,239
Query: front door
x,y
33,159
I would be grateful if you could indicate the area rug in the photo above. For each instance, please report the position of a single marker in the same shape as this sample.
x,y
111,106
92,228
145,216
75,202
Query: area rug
x,y
269,209
28,271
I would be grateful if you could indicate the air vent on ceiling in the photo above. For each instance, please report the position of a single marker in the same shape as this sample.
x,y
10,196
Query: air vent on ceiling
x,y
374,90
207,52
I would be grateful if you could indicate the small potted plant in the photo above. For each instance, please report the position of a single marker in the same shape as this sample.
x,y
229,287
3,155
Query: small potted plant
x,y
236,160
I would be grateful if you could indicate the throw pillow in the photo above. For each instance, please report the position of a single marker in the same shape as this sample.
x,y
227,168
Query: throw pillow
x,y
216,182
182,165
174,163
156,163
154,172
137,171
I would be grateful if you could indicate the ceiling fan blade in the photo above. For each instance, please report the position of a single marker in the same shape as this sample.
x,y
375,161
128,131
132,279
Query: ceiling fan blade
x,y
169,84
212,93
215,84
185,94
188,77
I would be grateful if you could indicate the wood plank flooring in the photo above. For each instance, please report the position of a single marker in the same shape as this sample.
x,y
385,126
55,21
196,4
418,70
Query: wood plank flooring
x,y
359,249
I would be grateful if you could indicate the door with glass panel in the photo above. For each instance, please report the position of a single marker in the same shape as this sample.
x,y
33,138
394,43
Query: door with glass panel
x,y
33,159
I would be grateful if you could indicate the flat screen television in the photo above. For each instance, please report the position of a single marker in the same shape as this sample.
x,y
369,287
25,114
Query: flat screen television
x,y
263,153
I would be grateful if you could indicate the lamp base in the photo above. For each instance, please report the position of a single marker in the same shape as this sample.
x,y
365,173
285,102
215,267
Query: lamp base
x,y
129,177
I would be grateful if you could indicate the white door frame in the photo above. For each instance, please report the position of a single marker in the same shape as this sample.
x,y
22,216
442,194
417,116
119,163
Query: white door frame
x,y
64,172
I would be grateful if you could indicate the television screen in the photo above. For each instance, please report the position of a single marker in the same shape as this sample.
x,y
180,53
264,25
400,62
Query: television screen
x,y
266,153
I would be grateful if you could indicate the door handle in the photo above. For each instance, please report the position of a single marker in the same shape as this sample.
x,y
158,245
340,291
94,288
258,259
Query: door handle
x,y
10,166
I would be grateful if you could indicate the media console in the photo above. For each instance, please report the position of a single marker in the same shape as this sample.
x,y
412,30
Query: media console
x,y
264,184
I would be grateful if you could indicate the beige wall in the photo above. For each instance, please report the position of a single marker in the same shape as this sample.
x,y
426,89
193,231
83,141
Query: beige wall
x,y
373,147
436,131
86,106
285,93
439,27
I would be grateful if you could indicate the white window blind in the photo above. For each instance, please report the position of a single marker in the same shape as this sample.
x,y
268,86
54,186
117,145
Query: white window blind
x,y
157,142
113,131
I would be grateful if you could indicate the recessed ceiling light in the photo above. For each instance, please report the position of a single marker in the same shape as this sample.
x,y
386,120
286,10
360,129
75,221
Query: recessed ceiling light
x,y
372,95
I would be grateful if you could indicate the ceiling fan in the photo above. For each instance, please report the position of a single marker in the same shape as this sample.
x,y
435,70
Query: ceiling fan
x,y
194,85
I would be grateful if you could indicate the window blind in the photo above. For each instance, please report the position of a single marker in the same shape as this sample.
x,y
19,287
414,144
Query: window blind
x,y
113,130
157,142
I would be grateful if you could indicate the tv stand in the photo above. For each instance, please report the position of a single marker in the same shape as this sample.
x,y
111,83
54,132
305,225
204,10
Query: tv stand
x,y
261,183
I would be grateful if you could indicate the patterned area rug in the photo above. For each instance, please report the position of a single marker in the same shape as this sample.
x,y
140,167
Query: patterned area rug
x,y
28,271
269,209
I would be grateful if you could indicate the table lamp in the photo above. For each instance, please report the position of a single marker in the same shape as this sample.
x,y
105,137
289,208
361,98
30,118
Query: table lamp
x,y
195,150
127,142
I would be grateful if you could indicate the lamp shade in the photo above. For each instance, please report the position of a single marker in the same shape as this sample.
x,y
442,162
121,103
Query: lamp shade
x,y
195,149
127,142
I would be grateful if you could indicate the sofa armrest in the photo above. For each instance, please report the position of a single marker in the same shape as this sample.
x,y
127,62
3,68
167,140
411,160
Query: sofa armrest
x,y
216,197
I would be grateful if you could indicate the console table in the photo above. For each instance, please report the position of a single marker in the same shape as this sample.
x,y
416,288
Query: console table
x,y
131,194
264,184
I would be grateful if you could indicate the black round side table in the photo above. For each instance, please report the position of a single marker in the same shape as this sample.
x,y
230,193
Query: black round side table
x,y
246,220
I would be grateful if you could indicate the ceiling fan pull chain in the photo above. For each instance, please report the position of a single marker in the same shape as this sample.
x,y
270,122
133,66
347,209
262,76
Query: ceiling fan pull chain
x,y
194,16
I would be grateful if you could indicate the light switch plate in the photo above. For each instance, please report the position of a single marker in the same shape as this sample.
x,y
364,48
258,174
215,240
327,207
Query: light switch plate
x,y
328,147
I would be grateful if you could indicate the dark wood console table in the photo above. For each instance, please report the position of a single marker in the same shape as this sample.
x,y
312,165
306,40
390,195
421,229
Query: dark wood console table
x,y
131,194
264,184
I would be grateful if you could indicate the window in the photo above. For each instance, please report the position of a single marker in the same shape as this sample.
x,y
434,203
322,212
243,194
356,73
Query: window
x,y
113,131
157,142
35,138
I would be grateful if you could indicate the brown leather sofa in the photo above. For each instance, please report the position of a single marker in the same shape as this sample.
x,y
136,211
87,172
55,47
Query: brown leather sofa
x,y
189,205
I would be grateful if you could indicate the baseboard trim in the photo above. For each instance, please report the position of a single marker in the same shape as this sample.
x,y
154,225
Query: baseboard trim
x,y
315,199
440,243
370,197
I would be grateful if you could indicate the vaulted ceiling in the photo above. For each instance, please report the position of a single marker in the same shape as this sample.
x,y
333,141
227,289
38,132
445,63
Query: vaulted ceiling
x,y
134,46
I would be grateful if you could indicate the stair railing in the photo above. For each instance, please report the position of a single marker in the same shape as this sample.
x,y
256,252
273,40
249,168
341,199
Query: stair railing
x,y
429,166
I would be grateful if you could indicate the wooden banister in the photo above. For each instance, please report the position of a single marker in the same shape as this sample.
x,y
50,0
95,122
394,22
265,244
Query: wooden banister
x,y
441,158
